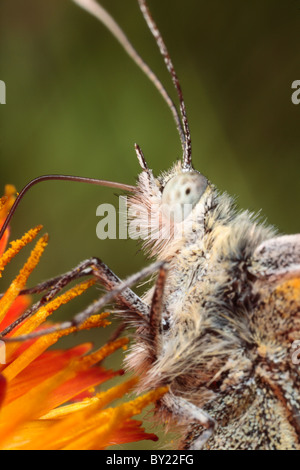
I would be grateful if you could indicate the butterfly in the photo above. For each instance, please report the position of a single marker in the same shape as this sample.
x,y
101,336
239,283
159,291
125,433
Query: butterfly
x,y
220,325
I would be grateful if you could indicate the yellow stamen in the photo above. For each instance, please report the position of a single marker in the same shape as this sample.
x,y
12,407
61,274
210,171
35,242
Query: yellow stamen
x,y
16,247
101,354
3,201
7,200
20,282
44,312
43,343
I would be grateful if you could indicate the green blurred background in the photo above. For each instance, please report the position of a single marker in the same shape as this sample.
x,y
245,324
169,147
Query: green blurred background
x,y
76,104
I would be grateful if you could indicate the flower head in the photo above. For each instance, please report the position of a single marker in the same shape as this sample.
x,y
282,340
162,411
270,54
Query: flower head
x,y
47,397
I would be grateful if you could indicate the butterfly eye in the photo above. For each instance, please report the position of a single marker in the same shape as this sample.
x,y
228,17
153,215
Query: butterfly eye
x,y
181,194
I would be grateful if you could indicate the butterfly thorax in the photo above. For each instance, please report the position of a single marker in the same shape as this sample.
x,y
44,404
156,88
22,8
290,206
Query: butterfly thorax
x,y
213,345
209,286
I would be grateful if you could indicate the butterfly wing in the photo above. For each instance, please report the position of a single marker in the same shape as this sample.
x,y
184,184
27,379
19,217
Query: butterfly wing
x,y
277,259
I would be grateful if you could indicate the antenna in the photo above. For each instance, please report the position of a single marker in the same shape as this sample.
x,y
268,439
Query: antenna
x,y
101,14
77,179
96,10
187,156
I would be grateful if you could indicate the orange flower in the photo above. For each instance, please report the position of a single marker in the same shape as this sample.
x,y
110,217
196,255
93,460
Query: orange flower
x,y
47,398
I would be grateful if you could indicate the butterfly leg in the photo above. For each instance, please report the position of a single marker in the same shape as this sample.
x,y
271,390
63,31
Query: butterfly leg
x,y
53,287
186,413
92,267
122,287
46,285
136,309
155,322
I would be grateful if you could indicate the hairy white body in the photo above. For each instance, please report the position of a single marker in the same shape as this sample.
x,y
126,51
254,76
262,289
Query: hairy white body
x,y
218,279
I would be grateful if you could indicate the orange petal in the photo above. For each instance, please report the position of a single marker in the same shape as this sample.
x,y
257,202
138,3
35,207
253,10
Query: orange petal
x,y
50,358
3,386
72,418
18,307
4,240
83,395
104,426
25,408
89,406
83,381
43,368
42,399
131,431
40,346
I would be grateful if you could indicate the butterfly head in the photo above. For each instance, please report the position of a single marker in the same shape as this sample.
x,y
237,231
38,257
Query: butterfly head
x,y
164,210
